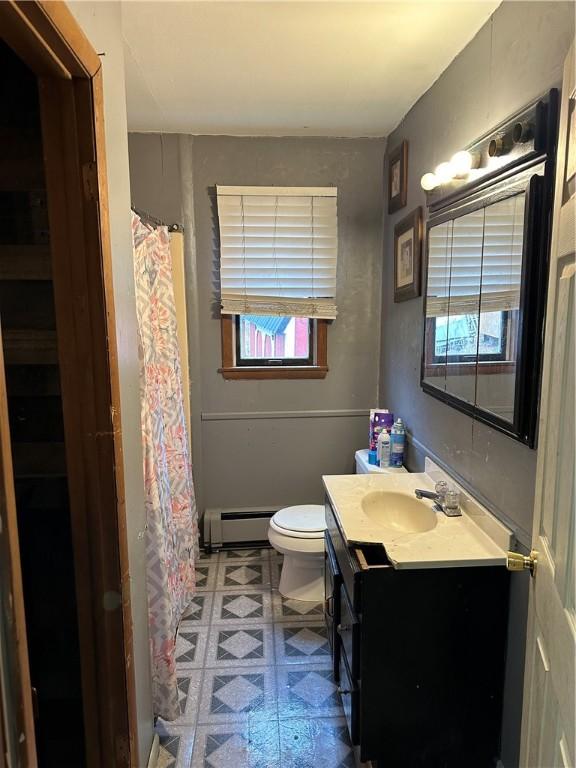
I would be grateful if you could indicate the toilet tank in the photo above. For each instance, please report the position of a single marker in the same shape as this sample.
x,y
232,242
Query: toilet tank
x,y
364,468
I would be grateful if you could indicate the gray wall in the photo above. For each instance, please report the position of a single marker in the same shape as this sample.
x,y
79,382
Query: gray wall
x,y
255,461
514,58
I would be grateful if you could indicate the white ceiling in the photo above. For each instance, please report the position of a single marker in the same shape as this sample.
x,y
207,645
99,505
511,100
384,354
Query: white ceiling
x,y
287,68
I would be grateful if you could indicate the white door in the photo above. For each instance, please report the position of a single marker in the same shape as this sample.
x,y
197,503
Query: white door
x,y
548,714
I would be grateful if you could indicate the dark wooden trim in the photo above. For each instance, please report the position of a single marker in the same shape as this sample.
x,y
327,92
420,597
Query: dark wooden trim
x,y
466,369
230,371
19,33
2,735
227,331
322,344
311,372
13,621
413,289
65,36
101,217
48,39
70,164
400,154
46,36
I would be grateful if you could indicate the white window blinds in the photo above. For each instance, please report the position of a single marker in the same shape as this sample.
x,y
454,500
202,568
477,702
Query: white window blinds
x,y
278,250
475,261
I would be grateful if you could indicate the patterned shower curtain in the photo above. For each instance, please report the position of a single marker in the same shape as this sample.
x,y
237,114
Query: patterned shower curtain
x,y
172,526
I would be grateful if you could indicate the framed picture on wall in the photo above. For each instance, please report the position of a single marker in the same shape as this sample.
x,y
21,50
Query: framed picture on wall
x,y
398,178
407,256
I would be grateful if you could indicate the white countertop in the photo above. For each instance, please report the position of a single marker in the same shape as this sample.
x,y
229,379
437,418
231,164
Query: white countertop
x,y
475,538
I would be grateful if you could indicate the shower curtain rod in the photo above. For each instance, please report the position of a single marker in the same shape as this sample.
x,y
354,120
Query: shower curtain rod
x,y
145,216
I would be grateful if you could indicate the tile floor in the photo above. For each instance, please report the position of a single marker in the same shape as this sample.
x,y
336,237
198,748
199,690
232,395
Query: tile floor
x,y
256,689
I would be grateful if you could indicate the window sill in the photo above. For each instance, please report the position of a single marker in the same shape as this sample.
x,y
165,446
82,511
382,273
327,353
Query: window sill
x,y
273,372
463,369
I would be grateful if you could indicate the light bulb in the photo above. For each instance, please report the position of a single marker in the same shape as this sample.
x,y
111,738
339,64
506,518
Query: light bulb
x,y
461,162
428,182
444,172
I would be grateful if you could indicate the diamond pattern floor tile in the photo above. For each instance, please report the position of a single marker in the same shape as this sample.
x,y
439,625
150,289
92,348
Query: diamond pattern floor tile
x,y
244,574
235,645
191,646
301,643
238,694
176,743
235,746
254,674
316,743
206,576
229,555
199,609
307,690
287,609
168,753
240,644
239,608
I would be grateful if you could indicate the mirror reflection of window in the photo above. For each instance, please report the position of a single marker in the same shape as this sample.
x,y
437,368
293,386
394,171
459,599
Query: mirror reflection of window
x,y
472,305
499,306
462,323
437,300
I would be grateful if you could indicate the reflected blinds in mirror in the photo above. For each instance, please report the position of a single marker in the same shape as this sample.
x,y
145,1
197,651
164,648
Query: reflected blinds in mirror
x,y
479,251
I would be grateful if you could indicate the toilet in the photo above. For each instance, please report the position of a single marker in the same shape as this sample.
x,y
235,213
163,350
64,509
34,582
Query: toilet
x,y
298,534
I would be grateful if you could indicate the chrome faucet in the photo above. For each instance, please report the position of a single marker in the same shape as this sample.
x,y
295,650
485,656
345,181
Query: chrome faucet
x,y
446,499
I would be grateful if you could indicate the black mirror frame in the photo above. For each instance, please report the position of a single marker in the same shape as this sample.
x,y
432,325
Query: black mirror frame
x,y
539,188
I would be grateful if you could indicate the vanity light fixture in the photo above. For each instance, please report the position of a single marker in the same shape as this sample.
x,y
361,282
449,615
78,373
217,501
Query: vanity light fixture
x,y
429,182
444,172
460,165
462,162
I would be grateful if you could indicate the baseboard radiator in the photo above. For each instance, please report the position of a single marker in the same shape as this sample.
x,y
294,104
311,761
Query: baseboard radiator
x,y
238,526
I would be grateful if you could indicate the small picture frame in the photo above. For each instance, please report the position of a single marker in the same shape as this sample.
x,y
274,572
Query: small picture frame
x,y
398,178
407,256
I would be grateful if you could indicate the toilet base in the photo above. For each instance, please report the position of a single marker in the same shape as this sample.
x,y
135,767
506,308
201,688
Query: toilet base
x,y
302,578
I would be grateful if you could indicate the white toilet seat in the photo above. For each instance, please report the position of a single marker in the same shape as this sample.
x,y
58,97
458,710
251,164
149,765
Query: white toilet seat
x,y
298,534
304,521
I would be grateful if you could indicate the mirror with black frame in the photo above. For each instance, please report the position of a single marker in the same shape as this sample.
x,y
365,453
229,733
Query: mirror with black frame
x,y
487,248
482,268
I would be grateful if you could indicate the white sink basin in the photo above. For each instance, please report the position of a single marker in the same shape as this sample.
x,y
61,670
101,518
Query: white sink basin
x,y
399,511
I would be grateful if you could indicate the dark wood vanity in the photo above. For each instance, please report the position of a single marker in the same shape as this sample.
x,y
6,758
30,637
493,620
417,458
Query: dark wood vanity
x,y
418,655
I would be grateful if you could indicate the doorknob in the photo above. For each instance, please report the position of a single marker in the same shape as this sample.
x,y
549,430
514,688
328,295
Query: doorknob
x,y
517,562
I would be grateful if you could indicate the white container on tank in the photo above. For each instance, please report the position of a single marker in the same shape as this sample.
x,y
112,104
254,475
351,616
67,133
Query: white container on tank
x,y
364,468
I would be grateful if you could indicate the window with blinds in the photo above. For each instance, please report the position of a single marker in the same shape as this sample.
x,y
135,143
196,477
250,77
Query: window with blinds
x,y
278,251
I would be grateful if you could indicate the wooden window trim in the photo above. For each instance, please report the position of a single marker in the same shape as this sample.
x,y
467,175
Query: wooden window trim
x,y
230,371
464,369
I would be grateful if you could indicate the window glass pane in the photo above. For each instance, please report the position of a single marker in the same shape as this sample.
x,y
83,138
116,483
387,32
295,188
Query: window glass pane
x,y
264,337
460,336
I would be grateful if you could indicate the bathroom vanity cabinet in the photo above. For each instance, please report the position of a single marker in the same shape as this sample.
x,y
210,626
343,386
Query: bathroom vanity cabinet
x,y
418,655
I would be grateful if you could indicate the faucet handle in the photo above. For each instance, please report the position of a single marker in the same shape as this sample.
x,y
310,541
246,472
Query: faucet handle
x,y
452,499
441,488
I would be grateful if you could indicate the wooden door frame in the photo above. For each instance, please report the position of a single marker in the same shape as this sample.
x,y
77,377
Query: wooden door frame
x,y
47,38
